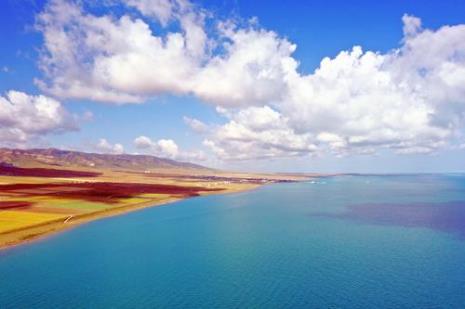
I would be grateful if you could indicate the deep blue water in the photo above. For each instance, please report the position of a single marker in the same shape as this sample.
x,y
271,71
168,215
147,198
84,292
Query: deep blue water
x,y
341,242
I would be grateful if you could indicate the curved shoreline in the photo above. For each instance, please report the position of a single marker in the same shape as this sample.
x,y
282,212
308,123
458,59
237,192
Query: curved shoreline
x,y
41,231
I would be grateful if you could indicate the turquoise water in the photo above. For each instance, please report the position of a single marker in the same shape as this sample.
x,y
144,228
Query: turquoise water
x,y
341,242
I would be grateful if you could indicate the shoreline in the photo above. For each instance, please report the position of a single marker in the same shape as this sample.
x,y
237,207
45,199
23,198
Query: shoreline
x,y
23,236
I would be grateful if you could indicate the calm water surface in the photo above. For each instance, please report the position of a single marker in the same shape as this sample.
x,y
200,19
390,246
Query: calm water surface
x,y
341,242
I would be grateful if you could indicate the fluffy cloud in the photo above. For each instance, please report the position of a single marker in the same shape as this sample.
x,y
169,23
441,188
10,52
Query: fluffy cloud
x,y
167,148
252,70
105,147
410,99
258,132
164,147
26,117
121,60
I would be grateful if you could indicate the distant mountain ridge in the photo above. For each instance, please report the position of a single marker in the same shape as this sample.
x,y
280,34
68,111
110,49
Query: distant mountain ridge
x,y
52,157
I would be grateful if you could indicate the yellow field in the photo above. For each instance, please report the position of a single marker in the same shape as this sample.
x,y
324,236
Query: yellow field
x,y
13,220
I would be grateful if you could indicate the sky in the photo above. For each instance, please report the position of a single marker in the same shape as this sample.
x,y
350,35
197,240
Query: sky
x,y
274,86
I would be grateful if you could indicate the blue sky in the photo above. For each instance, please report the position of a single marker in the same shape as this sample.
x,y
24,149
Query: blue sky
x,y
295,132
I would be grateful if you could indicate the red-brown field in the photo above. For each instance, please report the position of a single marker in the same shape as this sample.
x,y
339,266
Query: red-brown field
x,y
7,170
11,205
102,192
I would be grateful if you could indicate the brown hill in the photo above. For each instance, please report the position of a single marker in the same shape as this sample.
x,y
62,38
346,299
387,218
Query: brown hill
x,y
55,158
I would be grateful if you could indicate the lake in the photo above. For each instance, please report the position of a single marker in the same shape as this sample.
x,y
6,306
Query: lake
x,y
394,241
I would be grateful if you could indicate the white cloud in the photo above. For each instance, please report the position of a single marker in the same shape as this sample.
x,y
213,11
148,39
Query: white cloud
x,y
105,147
121,60
167,148
24,118
195,124
190,19
258,132
412,25
163,147
410,99
252,70
162,10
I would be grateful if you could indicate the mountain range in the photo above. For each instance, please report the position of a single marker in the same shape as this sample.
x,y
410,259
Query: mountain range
x,y
55,158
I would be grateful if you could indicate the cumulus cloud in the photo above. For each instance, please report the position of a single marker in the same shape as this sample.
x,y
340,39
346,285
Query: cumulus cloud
x,y
163,147
410,99
25,117
252,70
105,147
122,60
167,148
258,132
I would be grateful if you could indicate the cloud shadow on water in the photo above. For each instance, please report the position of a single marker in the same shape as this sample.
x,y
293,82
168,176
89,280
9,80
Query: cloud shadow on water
x,y
446,217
